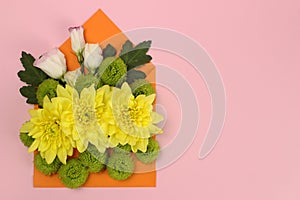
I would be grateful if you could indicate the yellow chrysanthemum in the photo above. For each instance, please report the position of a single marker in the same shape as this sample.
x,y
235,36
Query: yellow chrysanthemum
x,y
86,122
126,119
52,128
104,112
68,93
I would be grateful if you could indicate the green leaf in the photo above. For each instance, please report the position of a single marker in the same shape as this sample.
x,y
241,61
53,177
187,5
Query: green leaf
x,y
30,93
132,75
135,56
31,75
109,51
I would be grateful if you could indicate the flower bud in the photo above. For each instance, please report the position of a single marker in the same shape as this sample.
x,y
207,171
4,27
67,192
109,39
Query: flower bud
x,y
77,39
71,77
92,57
53,63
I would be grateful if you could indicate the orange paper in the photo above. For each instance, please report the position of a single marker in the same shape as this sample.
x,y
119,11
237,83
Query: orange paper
x,y
100,29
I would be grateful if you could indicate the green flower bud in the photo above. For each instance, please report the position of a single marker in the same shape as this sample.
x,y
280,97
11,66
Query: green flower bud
x,y
85,81
73,174
93,159
26,139
122,148
120,166
47,87
47,169
112,71
151,154
141,86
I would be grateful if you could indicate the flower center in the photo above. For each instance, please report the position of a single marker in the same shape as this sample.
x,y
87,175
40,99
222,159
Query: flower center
x,y
84,113
52,128
139,115
123,118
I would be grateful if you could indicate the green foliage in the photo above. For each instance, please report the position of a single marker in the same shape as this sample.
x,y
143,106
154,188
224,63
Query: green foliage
x,y
132,75
73,174
109,51
93,159
47,169
26,139
135,56
32,75
151,154
30,93
46,88
141,86
120,166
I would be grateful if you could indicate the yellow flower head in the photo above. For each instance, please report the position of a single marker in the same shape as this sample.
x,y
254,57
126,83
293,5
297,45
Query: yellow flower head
x,y
129,120
52,128
86,122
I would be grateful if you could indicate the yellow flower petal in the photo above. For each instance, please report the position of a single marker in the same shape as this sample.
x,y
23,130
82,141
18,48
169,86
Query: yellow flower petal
x,y
50,156
62,155
34,146
26,127
156,118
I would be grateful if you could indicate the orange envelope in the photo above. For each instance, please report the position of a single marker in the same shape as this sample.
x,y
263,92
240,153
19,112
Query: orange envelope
x,y
100,29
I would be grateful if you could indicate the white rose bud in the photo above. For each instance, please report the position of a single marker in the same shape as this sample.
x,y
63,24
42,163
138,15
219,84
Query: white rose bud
x,y
71,76
92,57
77,39
53,63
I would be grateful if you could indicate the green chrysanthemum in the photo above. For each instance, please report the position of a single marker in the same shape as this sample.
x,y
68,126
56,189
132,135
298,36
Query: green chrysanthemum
x,y
93,159
26,139
151,154
47,87
73,174
47,169
120,166
122,148
85,81
141,86
113,71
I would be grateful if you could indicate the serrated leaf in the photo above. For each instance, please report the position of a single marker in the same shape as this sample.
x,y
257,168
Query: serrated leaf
x,y
30,93
135,56
31,75
109,51
132,75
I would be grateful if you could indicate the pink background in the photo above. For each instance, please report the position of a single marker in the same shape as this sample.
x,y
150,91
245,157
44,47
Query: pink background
x,y
254,43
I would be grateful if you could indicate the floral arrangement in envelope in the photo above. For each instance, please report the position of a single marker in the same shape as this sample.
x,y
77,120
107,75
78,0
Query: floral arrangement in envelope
x,y
94,120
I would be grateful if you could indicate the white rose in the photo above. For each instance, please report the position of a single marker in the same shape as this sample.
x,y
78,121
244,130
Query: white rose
x,y
71,76
53,63
92,56
77,39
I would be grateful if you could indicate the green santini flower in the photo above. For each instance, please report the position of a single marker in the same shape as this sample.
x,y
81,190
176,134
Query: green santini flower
x,y
47,169
26,139
73,174
120,166
47,87
151,154
112,71
122,148
93,159
141,86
